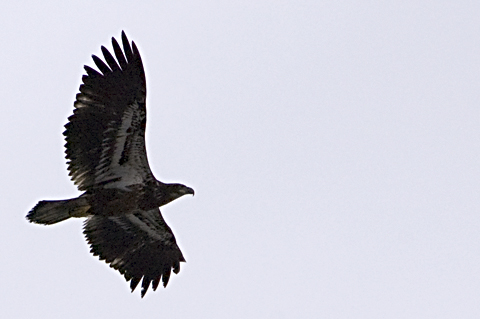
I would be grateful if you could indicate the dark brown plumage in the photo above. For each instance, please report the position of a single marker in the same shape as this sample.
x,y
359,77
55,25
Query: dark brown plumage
x,y
106,157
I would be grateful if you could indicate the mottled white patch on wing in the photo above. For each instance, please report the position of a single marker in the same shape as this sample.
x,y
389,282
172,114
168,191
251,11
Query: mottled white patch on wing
x,y
149,225
123,159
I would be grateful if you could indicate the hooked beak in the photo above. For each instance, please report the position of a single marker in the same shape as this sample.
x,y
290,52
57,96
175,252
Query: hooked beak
x,y
188,190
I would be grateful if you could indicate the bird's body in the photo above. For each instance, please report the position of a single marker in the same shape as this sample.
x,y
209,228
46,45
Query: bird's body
x,y
107,160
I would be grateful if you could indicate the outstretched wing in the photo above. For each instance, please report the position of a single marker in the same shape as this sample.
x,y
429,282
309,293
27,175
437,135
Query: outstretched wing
x,y
137,245
106,134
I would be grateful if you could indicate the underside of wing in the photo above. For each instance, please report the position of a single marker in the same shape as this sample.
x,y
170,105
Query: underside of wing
x,y
138,245
105,136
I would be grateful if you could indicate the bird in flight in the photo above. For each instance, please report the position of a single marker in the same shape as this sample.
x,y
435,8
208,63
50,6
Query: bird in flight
x,y
107,160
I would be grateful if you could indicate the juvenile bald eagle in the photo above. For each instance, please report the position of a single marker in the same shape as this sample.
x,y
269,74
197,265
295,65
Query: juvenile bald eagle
x,y
107,160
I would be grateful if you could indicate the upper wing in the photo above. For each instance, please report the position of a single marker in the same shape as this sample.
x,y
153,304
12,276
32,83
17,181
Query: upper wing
x,y
137,245
106,134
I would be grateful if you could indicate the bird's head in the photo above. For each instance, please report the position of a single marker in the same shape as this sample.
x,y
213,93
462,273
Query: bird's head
x,y
170,192
179,190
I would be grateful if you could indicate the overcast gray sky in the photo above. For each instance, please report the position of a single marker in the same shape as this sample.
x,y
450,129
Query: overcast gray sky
x,y
333,147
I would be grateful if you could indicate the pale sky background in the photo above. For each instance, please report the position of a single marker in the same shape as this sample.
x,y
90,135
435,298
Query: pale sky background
x,y
333,147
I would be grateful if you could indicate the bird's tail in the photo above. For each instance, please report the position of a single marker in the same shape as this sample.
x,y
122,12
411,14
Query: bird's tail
x,y
49,212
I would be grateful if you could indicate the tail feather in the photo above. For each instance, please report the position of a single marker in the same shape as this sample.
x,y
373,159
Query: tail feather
x,y
49,212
